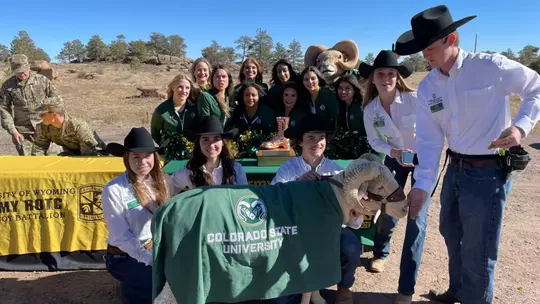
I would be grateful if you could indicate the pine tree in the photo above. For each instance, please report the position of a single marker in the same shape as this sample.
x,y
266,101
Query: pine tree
x,y
4,52
22,44
296,56
96,49
243,46
280,52
176,46
139,50
118,48
261,49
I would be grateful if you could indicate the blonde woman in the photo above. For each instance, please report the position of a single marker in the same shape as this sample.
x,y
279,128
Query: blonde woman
x,y
179,112
201,71
129,202
390,122
219,99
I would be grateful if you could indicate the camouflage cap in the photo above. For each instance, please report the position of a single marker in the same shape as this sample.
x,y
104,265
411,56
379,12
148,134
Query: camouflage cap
x,y
19,63
51,104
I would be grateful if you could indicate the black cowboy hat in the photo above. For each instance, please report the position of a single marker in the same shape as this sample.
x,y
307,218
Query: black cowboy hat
x,y
310,123
137,140
210,125
428,26
386,59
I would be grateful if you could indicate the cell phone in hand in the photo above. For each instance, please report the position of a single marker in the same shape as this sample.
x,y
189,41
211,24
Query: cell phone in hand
x,y
409,158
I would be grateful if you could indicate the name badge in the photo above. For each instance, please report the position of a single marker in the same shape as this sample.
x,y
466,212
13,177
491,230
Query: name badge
x,y
133,204
436,107
378,123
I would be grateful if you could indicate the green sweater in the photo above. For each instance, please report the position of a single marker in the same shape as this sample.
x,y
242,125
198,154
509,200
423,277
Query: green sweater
x,y
352,118
236,243
165,121
207,105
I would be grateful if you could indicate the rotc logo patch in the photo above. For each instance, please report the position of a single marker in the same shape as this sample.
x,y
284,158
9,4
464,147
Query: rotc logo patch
x,y
90,208
250,210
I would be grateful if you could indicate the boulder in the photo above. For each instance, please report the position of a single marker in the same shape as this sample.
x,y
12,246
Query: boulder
x,y
151,92
166,59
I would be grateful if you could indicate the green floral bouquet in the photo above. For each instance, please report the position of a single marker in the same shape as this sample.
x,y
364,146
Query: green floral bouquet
x,y
178,147
247,143
347,144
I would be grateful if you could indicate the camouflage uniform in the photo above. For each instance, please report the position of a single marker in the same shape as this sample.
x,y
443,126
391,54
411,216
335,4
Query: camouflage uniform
x,y
75,136
19,100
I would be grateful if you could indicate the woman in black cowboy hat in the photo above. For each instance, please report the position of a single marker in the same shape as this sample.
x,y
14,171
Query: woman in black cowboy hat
x,y
212,162
129,202
390,121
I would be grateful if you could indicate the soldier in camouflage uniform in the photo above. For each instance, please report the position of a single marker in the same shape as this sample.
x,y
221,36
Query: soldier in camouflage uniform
x,y
74,135
20,95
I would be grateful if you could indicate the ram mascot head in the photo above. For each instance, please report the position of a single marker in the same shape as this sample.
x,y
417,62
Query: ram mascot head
x,y
333,62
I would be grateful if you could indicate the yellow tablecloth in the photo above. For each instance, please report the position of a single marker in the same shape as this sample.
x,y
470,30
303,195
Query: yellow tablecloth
x,y
53,203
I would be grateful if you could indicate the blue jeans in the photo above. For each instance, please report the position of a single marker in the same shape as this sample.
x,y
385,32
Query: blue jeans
x,y
135,278
472,205
350,252
415,233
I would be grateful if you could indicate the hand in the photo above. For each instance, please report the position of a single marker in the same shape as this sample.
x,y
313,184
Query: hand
x,y
396,154
509,138
416,200
17,138
310,175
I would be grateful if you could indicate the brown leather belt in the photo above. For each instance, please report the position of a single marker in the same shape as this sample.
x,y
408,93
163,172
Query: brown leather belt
x,y
115,250
474,163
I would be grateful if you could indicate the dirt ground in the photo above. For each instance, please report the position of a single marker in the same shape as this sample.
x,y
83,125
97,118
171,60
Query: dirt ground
x,y
106,103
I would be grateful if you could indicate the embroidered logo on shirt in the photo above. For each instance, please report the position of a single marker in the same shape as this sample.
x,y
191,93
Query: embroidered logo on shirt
x,y
322,107
251,210
378,121
192,114
292,123
351,117
435,104
90,209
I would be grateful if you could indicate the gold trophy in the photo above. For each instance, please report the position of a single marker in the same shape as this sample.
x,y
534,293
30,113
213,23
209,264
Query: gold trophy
x,y
278,149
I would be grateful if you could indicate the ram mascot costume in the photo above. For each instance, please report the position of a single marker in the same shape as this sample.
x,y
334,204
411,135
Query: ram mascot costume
x,y
334,62
233,243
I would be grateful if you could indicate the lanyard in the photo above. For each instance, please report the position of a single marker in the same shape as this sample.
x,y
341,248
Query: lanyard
x,y
182,119
252,122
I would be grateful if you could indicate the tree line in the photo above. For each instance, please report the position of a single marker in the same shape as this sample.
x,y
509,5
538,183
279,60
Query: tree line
x,y
260,46
527,56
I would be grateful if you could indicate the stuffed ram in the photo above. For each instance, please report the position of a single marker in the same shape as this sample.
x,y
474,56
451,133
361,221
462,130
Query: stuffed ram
x,y
340,59
233,243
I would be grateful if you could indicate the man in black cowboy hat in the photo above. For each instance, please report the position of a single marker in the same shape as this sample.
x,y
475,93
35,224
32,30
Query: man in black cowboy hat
x,y
465,99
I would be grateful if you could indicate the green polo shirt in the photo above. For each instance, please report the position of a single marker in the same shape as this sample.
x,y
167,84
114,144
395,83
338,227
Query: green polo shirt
x,y
326,105
236,243
264,120
166,121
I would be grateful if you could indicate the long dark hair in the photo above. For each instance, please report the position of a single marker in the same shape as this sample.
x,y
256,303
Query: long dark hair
x,y
229,91
294,76
199,177
353,81
322,82
297,88
248,84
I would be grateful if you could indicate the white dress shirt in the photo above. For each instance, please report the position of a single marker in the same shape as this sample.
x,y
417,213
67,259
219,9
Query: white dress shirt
x,y
181,181
470,108
127,220
297,166
399,130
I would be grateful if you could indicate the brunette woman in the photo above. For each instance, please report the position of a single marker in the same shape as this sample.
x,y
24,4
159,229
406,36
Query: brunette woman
x,y
219,99
129,202
212,162
250,114
282,72
250,70
317,97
